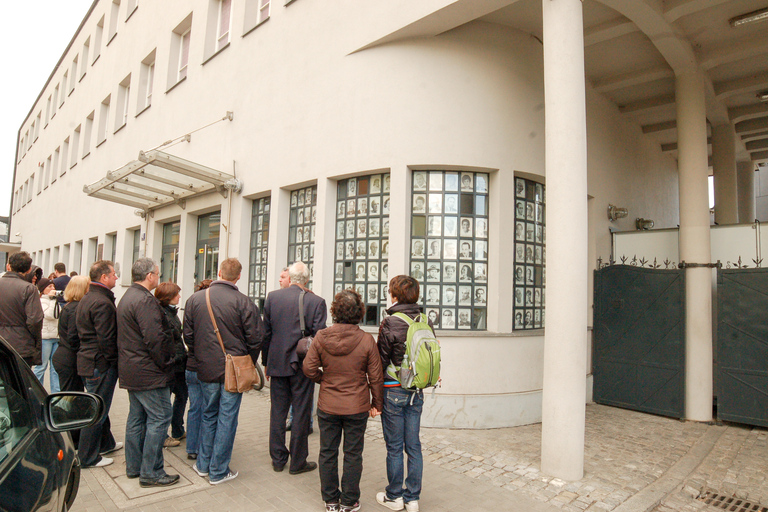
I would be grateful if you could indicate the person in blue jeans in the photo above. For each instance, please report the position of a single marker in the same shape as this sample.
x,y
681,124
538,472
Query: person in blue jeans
x,y
401,414
195,392
49,303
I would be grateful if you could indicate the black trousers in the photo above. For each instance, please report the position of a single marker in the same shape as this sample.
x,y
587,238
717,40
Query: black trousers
x,y
180,395
295,390
69,380
331,428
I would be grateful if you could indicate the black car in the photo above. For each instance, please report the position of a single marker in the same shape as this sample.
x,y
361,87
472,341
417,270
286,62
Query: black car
x,y
39,469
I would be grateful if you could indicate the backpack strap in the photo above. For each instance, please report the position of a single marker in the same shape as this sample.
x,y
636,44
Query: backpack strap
x,y
403,316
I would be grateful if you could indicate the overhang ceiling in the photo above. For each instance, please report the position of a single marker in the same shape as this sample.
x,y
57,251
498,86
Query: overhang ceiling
x,y
634,47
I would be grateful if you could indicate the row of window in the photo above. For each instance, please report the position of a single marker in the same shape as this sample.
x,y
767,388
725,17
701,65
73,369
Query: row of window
x,y
256,12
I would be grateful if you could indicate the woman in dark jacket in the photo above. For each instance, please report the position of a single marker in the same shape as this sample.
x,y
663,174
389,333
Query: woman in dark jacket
x,y
401,415
65,357
344,360
169,294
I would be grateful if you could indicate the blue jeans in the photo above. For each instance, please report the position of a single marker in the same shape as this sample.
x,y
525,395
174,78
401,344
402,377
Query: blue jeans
x,y
195,413
400,421
98,437
145,431
49,347
217,433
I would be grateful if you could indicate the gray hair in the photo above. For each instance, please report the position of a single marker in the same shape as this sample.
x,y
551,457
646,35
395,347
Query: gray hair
x,y
142,268
298,273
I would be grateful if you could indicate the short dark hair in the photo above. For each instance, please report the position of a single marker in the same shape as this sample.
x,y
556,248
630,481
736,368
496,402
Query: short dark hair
x,y
404,289
165,292
60,268
347,307
20,262
205,283
100,268
230,269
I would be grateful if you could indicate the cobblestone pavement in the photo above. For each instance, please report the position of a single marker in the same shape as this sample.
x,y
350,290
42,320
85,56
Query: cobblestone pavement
x,y
627,454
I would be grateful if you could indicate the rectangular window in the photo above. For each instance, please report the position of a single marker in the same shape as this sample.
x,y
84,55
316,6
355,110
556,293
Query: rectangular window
x,y
97,40
32,182
111,243
55,165
146,82
64,156
225,16
530,255
33,134
29,140
103,120
123,96
183,54
257,271
88,133
45,176
55,99
449,246
169,260
136,245
179,55
130,7
113,20
256,13
362,241
38,122
48,111
63,94
75,146
73,75
301,227
86,49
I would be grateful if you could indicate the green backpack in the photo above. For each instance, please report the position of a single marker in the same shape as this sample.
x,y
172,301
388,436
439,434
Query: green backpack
x,y
421,362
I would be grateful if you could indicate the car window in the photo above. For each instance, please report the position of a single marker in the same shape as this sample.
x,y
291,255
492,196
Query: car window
x,y
15,413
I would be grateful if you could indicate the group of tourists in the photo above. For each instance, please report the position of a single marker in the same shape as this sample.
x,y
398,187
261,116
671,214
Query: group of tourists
x,y
92,343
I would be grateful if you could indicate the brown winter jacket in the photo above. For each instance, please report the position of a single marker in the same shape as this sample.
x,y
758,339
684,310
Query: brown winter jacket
x,y
351,370
21,316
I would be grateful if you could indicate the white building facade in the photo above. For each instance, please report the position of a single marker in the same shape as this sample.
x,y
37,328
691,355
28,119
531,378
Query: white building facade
x,y
368,139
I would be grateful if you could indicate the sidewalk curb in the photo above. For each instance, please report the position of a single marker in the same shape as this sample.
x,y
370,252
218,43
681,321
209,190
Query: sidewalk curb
x,y
649,497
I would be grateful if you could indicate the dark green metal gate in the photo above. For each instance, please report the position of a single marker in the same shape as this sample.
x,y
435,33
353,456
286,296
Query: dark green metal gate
x,y
742,345
639,339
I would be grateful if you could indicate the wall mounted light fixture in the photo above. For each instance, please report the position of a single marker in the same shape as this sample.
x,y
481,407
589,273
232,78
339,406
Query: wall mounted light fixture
x,y
614,212
643,224
750,17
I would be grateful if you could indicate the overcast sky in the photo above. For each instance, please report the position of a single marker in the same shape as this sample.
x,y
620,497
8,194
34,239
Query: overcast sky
x,y
34,34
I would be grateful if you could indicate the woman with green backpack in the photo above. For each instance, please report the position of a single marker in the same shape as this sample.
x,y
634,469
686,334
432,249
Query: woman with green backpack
x,y
401,415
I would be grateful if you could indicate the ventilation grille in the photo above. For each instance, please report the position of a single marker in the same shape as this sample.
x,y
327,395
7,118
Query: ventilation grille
x,y
730,503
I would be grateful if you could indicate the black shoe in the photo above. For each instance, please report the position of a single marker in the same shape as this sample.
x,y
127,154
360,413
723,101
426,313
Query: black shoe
x,y
160,482
287,427
132,476
311,430
277,468
192,456
309,466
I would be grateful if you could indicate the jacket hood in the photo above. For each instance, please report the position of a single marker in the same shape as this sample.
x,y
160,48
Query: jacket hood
x,y
341,339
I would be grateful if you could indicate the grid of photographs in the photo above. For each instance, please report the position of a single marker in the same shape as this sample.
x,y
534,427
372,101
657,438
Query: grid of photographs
x,y
362,241
449,246
301,228
257,271
530,255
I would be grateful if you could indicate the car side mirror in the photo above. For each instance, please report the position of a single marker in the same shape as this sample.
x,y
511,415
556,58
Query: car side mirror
x,y
72,410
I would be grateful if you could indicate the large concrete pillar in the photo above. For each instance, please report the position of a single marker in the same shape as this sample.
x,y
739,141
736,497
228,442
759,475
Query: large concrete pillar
x,y
724,172
745,181
694,243
565,338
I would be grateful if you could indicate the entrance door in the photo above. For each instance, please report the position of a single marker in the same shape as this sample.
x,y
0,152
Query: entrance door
x,y
639,339
742,345
169,262
207,254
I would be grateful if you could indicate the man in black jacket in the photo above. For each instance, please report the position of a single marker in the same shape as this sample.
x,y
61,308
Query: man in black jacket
x,y
289,386
239,325
21,315
145,367
97,360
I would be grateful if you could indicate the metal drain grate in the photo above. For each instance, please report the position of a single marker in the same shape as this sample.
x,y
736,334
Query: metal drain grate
x,y
730,503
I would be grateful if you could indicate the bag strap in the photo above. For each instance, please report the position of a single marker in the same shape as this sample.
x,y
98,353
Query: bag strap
x,y
302,323
403,316
213,319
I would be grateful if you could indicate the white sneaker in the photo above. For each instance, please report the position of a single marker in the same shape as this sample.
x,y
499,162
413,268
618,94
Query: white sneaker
x,y
230,476
412,506
199,473
105,461
118,445
396,504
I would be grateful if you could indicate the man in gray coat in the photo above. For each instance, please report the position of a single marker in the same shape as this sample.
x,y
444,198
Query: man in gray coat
x,y
239,325
289,386
145,353
21,315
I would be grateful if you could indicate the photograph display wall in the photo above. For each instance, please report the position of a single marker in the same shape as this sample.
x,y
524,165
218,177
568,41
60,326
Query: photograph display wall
x,y
530,255
257,272
301,230
449,246
362,241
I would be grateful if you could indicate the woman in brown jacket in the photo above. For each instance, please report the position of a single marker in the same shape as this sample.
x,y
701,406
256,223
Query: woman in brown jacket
x,y
351,388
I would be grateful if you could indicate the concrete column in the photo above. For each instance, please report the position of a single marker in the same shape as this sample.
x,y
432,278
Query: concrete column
x,y
724,165
745,181
565,339
694,243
